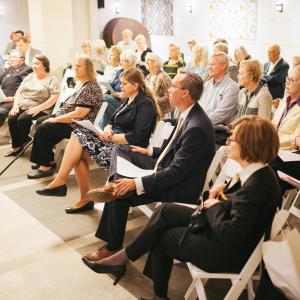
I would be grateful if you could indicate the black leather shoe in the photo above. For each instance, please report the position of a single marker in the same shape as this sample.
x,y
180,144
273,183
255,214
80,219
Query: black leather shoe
x,y
117,271
13,153
83,208
59,191
39,174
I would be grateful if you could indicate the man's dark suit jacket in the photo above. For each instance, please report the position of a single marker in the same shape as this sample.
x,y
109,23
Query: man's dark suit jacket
x,y
181,173
11,79
276,79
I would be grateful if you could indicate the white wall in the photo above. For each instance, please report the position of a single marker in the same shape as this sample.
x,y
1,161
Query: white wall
x,y
14,17
272,27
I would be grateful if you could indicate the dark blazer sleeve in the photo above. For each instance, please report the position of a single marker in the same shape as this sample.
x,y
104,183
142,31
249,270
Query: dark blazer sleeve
x,y
144,122
278,75
182,164
232,221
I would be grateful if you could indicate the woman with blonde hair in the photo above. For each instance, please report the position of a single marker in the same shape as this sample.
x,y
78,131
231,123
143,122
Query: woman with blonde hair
x,y
131,124
254,98
240,53
175,61
199,64
158,82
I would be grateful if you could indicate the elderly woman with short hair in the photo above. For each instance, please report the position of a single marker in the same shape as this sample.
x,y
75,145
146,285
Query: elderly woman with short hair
x,y
254,98
199,64
83,104
128,60
240,54
159,83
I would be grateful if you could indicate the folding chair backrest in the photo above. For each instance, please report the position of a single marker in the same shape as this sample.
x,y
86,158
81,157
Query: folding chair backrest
x,y
162,132
229,170
215,167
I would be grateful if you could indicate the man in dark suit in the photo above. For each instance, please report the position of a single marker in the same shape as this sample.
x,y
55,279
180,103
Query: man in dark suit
x,y
180,166
275,72
10,81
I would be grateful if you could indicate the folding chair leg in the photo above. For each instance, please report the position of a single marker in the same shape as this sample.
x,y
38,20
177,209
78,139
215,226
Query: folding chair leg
x,y
250,290
191,293
200,289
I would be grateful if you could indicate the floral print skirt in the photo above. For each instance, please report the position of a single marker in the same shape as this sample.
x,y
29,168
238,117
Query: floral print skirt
x,y
98,150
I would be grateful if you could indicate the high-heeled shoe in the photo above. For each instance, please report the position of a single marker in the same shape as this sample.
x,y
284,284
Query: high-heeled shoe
x,y
59,191
117,271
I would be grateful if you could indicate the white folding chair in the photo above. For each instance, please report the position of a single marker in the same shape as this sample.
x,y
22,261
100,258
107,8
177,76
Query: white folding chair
x,y
245,278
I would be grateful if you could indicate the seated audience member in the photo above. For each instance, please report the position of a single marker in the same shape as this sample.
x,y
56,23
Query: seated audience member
x,y
159,83
287,119
175,61
113,66
100,56
190,43
113,59
199,63
20,34
10,80
232,68
254,98
86,48
84,104
220,96
240,53
141,51
128,60
220,40
12,44
132,124
24,47
180,167
275,72
296,61
127,43
231,229
34,98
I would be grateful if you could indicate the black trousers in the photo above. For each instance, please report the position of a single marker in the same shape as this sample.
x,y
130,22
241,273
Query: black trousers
x,y
4,111
113,220
46,136
19,127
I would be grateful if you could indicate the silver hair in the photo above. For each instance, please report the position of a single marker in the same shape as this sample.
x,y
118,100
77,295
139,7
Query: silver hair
x,y
155,57
128,54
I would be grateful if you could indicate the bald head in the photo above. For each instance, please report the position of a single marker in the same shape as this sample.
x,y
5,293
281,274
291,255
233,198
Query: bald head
x,y
274,53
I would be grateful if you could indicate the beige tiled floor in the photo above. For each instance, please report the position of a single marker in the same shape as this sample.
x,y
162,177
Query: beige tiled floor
x,y
36,264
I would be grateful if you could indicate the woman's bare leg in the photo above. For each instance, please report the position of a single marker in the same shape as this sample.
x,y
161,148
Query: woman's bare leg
x,y
82,172
72,156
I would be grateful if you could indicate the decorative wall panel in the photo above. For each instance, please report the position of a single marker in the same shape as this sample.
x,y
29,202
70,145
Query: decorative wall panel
x,y
232,19
157,16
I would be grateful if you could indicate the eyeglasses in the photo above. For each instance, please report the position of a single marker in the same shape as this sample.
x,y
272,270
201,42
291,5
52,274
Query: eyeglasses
x,y
290,80
173,86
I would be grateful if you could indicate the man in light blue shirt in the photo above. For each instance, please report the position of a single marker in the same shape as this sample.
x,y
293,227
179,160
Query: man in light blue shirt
x,y
220,96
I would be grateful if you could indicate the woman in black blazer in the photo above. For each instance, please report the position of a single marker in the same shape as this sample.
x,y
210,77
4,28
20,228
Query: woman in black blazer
x,y
132,123
235,219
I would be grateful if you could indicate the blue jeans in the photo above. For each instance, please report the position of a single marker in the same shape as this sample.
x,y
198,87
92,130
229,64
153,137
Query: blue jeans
x,y
113,104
